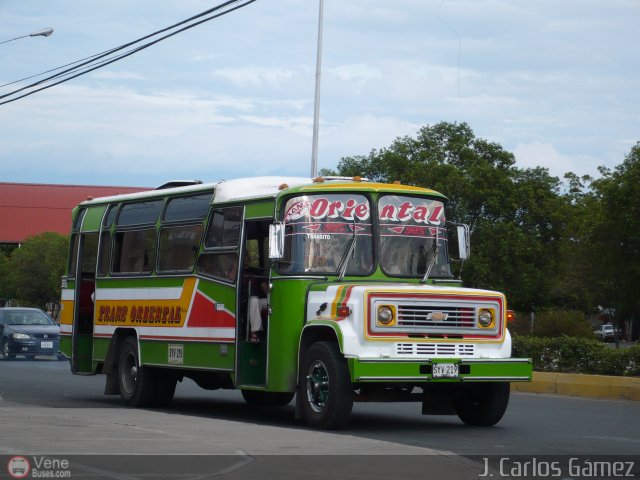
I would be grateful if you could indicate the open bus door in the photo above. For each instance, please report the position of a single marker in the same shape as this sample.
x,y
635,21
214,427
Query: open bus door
x,y
252,293
82,339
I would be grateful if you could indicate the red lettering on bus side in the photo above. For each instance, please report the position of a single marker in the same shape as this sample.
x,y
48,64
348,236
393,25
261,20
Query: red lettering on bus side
x,y
333,228
101,316
435,215
420,214
319,208
348,211
158,314
405,211
362,211
335,208
417,231
178,314
165,314
388,212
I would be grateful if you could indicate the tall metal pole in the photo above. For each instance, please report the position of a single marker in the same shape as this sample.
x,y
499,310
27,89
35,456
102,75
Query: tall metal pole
x,y
45,32
316,105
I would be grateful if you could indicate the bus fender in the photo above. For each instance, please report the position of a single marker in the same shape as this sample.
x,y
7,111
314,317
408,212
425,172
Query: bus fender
x,y
311,333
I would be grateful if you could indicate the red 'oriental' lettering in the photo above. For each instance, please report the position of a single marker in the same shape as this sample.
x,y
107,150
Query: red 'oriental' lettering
x,y
408,211
321,207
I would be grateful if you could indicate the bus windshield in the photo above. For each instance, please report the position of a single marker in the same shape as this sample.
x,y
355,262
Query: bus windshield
x,y
319,231
409,227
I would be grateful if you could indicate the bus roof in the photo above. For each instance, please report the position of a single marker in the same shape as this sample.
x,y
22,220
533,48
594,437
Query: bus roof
x,y
261,187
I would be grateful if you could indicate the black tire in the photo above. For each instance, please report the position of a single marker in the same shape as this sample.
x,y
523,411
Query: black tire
x,y
258,398
142,386
482,404
325,387
4,348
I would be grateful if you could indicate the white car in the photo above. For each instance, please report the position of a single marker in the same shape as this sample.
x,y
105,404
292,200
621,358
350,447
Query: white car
x,y
605,333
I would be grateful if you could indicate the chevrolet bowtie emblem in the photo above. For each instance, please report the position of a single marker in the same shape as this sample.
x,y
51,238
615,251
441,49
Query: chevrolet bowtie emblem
x,y
437,316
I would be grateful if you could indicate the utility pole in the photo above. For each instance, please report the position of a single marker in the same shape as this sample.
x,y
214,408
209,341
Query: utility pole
x,y
316,105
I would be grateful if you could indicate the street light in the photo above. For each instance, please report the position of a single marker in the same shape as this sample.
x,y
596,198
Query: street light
x,y
316,105
45,32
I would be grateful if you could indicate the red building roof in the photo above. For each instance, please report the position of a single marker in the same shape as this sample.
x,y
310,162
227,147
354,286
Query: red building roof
x,y
28,209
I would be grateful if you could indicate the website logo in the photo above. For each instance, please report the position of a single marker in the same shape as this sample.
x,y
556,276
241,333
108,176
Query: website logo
x,y
18,467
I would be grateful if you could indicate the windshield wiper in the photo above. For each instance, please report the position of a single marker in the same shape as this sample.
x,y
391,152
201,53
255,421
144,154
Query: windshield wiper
x,y
432,256
344,261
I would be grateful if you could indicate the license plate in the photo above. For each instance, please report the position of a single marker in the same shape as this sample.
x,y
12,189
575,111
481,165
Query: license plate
x,y
46,344
445,370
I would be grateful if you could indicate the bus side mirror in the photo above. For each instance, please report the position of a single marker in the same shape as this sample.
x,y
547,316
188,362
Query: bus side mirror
x,y
459,241
276,241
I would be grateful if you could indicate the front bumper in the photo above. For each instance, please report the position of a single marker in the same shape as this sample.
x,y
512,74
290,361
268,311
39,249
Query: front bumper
x,y
415,372
34,347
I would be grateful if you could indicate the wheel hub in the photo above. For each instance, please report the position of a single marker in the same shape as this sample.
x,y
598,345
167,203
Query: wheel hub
x,y
317,386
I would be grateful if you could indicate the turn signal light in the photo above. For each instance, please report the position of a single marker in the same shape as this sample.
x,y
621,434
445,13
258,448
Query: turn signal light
x,y
343,311
511,316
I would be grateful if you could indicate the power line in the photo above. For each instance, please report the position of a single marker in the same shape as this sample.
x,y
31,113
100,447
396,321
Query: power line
x,y
94,62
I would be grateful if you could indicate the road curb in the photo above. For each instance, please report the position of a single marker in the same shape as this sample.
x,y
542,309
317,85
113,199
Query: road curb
x,y
591,386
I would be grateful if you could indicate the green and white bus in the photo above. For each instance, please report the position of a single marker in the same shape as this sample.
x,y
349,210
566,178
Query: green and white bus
x,y
337,290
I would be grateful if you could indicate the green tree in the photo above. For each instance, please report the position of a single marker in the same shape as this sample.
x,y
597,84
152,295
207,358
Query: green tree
x,y
5,293
516,216
614,237
34,271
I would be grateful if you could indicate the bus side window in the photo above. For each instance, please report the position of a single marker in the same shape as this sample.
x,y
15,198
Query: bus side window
x,y
178,247
104,256
223,266
134,251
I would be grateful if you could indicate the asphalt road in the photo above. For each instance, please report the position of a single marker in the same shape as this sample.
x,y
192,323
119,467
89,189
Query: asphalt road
x,y
533,425
45,409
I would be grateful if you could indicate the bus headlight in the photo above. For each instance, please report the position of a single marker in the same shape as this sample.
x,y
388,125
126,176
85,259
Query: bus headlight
x,y
385,315
485,317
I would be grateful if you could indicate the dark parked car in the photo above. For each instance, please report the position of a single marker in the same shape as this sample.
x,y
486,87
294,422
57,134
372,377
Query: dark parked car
x,y
28,332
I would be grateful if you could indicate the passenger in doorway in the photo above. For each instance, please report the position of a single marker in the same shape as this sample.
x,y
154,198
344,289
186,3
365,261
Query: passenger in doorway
x,y
257,301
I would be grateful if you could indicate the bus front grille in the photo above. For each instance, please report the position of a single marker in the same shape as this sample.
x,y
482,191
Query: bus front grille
x,y
436,316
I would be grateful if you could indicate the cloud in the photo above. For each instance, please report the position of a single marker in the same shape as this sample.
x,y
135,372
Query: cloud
x,y
538,154
111,75
254,76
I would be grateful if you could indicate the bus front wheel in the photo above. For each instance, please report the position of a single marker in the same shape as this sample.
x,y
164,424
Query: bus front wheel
x,y
325,387
142,386
482,404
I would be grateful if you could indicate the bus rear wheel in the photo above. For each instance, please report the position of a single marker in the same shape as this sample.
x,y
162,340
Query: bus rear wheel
x,y
325,387
258,398
482,404
142,386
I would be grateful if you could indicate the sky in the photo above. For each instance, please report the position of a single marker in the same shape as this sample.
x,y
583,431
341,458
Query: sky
x,y
555,82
